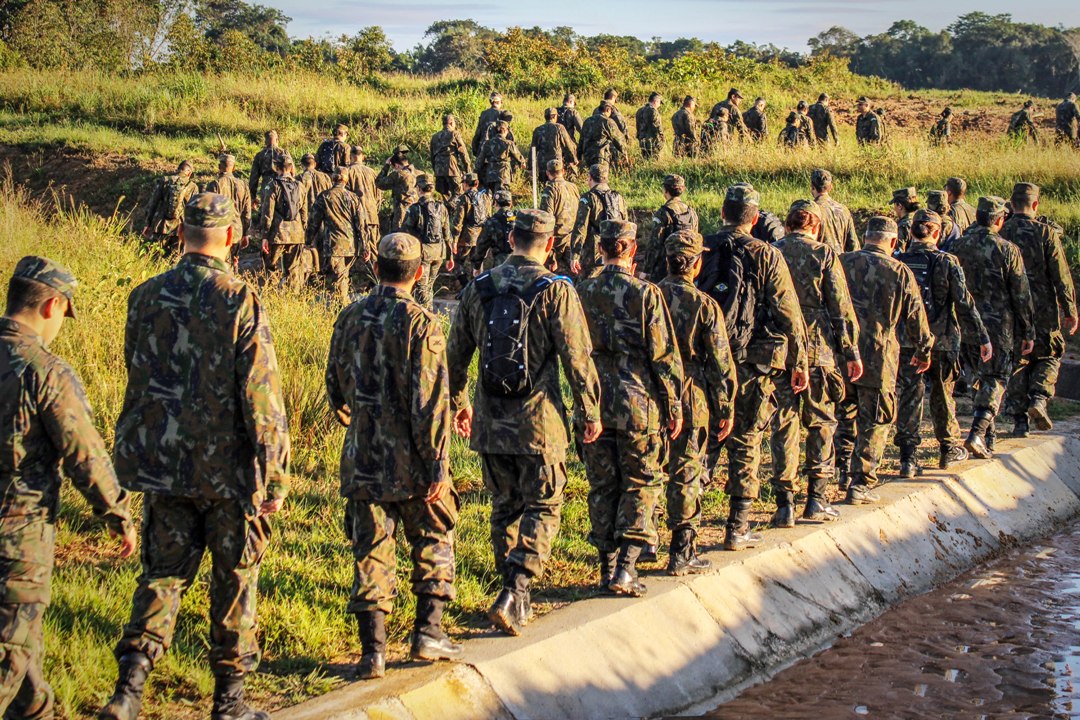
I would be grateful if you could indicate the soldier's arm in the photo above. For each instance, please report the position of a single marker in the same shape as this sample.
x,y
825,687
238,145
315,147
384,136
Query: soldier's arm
x,y
156,198
665,363
481,163
570,333
304,213
546,201
245,212
448,238
1060,276
338,380
68,421
967,313
581,226
1019,292
569,149
268,206
459,351
384,181
785,307
411,222
430,406
717,363
463,149
851,236
433,149
253,177
913,316
483,243
516,155
845,324
318,213
831,126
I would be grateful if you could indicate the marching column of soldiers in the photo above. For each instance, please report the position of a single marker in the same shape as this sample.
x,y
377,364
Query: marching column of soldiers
x,y
672,352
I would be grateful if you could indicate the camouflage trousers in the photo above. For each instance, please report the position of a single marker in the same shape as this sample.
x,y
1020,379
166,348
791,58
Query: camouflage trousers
x,y
991,380
364,277
814,409
755,404
292,262
176,532
339,276
432,257
625,482
687,476
685,147
526,509
1036,374
910,392
448,186
865,416
562,255
429,529
650,147
464,265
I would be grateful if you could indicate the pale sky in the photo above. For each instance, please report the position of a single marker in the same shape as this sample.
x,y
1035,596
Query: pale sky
x,y
786,23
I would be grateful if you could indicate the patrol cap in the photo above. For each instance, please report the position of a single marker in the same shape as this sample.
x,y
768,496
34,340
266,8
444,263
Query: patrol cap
x,y
803,105
402,149
821,178
535,221
226,159
308,158
1025,191
503,197
904,195
808,206
617,229
555,166
209,210
743,193
341,128
937,201
51,273
424,182
992,205
471,178
880,226
399,246
734,92
674,183
863,100
684,242
927,216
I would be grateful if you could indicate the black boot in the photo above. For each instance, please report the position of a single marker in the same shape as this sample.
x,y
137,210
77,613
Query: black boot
x,y
844,480
625,580
429,642
126,701
976,440
372,627
738,534
1021,429
909,466
817,509
860,494
952,455
683,558
991,435
1038,415
607,569
648,554
784,517
229,700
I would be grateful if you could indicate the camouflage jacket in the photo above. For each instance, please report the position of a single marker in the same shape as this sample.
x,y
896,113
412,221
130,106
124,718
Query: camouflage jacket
x,y
462,229
585,240
666,220
791,137
487,118
336,222
617,118
757,124
806,129
837,227
903,232
994,269
570,119
387,381
234,188
495,237
941,131
449,154
823,123
735,118
648,125
278,230
1049,278
709,380
537,423
401,182
560,198
552,143
361,183
685,126
313,183
601,142
1022,126
952,313
868,128
429,210
1066,118
768,228
262,169
635,350
886,297
963,214
498,159
162,216
831,325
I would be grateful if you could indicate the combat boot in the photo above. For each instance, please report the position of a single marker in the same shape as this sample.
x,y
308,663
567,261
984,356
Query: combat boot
x,y
229,700
952,455
991,435
817,509
127,696
860,494
1038,415
683,558
976,439
625,580
843,481
648,554
909,465
738,534
784,517
607,569
429,642
1021,429
372,628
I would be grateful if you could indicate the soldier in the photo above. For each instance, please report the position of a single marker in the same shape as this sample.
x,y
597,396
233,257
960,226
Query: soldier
x,y
560,198
523,320
468,213
962,213
361,182
569,117
495,235
941,133
498,159
887,301
806,127
994,268
832,333
757,124
1067,121
46,422
387,382
335,228
686,128
552,142
938,201
333,152
429,222
791,137
868,130
313,182
767,335
284,217
735,122
601,142
399,177
1021,126
950,311
837,225
1052,295
449,158
487,118
165,211
905,203
768,228
611,96
715,131
204,435
262,166
633,340
650,127
709,382
822,119
233,188
672,217
599,203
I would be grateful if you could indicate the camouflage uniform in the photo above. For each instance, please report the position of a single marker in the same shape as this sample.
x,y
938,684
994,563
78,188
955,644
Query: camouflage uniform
x,y
46,422
715,133
204,434
449,161
736,126
868,130
552,143
560,198
570,119
650,131
362,184
963,214
938,202
464,232
686,129
313,183
824,125
941,132
601,142
666,220
806,129
791,137
401,182
164,221
234,188
262,168
585,242
487,118
285,238
495,239
436,246
769,228
495,164
1067,121
837,225
1021,126
757,124
335,227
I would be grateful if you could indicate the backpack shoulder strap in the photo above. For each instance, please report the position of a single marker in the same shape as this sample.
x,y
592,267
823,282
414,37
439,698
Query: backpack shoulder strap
x,y
485,287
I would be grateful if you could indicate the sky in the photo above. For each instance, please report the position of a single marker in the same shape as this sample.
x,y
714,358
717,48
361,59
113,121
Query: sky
x,y
786,23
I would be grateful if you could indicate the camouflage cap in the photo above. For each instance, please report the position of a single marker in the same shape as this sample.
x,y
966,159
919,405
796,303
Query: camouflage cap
x,y
616,229
424,181
821,178
399,246
674,182
308,158
904,195
992,205
1026,191
863,100
938,201
734,92
536,221
927,216
51,273
402,149
503,197
227,159
471,178
881,226
806,206
743,193
684,242
209,210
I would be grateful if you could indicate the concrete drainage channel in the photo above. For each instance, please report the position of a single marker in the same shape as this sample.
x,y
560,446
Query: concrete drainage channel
x,y
693,642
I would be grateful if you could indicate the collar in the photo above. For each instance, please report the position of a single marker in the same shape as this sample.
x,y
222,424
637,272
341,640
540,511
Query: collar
x,y
922,245
616,269
205,261
876,250
388,291
14,327
521,261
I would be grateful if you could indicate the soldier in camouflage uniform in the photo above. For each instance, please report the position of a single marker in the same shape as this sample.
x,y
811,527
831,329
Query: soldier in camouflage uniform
x,y
313,182
569,117
465,210
334,228
757,123
961,212
560,198
599,203
1052,295
708,394
236,190
941,132
498,159
821,117
1022,126
204,435
334,152
522,439
837,225
994,268
887,301
806,127
46,422
868,129
262,166
938,201
361,183
673,216
399,177
449,158
284,216
633,340
650,127
768,227
387,382
832,333
429,222
487,118
1067,121
165,211
767,335
715,132
791,136
905,202
495,235
686,129
552,142
601,141
736,126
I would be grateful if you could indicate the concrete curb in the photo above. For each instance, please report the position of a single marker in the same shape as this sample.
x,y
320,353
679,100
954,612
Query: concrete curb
x,y
693,642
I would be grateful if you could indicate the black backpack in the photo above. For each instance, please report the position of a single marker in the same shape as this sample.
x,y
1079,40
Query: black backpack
x,y
504,223
504,350
326,156
612,206
289,208
174,193
679,222
433,213
736,292
922,265
479,212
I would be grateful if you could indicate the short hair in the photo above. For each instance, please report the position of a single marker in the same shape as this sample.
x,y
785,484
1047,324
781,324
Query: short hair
x,y
821,183
184,165
681,264
569,97
739,213
616,247
397,271
598,173
25,294
528,240
340,129
792,117
653,95
801,220
957,185
986,219
822,97
606,107
688,101
270,133
447,119
357,150
550,113
610,94
921,230
309,161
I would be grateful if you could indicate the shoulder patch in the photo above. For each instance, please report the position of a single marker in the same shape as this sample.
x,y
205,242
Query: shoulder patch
x,y
436,342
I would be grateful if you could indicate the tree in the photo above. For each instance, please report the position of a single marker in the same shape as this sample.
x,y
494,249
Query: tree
x,y
837,41
265,26
367,52
454,44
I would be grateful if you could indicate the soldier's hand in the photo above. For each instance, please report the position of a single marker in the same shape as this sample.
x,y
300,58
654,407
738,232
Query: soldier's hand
x,y
1071,324
450,264
723,429
476,272
1026,347
854,370
920,366
128,541
269,507
244,242
800,380
575,267
463,421
437,492
591,432
986,352
674,427
146,232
